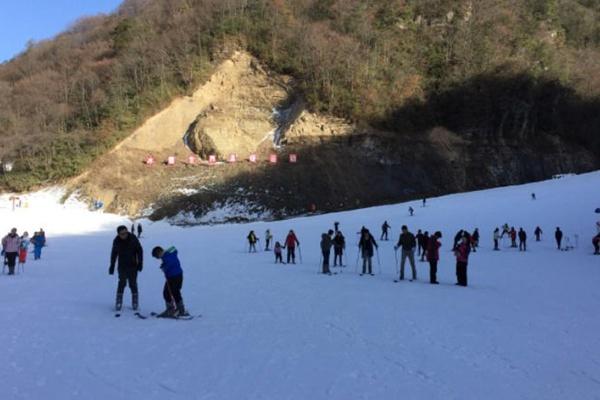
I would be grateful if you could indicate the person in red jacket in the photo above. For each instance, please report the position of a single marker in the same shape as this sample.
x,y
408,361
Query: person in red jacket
x,y
433,256
290,243
462,259
513,237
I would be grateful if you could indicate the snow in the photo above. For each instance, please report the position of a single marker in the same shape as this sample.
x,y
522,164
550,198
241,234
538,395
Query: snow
x,y
526,327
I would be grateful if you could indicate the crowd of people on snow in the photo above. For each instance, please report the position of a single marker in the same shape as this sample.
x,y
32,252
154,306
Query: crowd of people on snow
x,y
15,249
426,247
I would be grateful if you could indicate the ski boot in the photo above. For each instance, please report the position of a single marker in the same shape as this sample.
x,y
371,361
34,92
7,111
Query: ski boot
x,y
181,312
119,302
134,302
169,312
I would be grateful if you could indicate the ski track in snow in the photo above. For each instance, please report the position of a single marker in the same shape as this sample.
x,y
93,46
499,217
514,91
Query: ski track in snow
x,y
525,328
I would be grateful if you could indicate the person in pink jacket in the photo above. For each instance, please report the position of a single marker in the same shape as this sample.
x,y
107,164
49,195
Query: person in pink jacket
x,y
10,248
462,259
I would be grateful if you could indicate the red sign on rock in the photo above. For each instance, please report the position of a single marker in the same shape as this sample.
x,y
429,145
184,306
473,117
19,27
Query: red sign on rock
x,y
171,160
273,158
253,158
192,160
293,158
212,159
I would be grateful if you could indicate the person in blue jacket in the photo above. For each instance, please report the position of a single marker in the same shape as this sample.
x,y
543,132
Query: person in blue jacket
x,y
171,267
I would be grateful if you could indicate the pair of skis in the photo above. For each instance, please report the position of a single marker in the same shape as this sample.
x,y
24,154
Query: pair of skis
x,y
157,315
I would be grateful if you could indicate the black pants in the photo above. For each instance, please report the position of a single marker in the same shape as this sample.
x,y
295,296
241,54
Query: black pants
x,y
367,265
496,244
384,234
522,245
596,247
127,277
537,238
326,261
278,258
558,242
433,271
291,255
172,289
338,252
461,273
267,244
420,250
11,261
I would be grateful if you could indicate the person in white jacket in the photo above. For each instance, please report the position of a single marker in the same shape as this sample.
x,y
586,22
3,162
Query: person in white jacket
x,y
10,247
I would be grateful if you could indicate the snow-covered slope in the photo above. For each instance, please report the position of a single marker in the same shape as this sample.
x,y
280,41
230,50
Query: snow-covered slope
x,y
526,327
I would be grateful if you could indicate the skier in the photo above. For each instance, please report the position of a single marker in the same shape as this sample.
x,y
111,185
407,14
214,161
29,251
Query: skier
x,y
290,242
462,259
384,230
475,240
425,243
268,238
513,237
11,245
252,239
139,230
433,256
127,249
366,246
24,248
408,243
505,230
133,227
419,237
171,267
277,250
538,234
532,196
339,245
38,244
496,238
411,211
326,244
522,240
558,235
596,243
424,201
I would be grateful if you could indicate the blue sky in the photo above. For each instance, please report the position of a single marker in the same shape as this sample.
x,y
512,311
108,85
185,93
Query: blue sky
x,y
22,20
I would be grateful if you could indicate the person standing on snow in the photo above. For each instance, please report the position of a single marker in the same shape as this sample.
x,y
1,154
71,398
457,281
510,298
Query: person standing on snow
x,y
39,242
278,253
326,244
513,237
11,245
384,231
419,237
24,248
268,238
171,267
522,240
462,260
496,238
596,243
433,256
139,230
411,211
339,245
252,239
126,248
475,239
367,246
558,235
538,234
290,243
424,244
407,242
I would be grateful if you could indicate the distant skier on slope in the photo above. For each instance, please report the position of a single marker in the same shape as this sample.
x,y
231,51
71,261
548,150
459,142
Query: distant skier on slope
x,y
171,267
411,211
252,239
513,237
496,238
128,251
367,246
39,241
522,240
538,234
407,243
290,243
462,260
268,239
326,244
384,231
339,245
558,236
433,256
139,230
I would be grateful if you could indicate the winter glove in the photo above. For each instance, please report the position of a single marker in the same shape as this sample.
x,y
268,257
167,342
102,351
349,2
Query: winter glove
x,y
111,270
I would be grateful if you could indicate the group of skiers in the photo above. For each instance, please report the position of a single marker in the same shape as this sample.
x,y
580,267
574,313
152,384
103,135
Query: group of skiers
x,y
291,243
128,253
15,248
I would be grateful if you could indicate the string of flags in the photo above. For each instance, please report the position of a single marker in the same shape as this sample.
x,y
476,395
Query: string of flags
x,y
231,159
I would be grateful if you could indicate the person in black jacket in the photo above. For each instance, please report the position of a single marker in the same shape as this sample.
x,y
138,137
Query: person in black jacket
x,y
408,243
558,235
366,246
139,230
127,250
339,245
522,240
326,244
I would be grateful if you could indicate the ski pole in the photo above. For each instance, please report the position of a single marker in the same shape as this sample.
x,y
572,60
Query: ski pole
x,y
300,253
397,266
319,264
357,257
378,262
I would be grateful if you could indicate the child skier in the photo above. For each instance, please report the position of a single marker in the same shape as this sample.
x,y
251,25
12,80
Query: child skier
x,y
252,239
278,253
174,281
24,248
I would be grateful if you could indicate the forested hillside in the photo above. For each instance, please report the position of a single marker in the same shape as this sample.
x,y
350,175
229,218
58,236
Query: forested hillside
x,y
524,70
